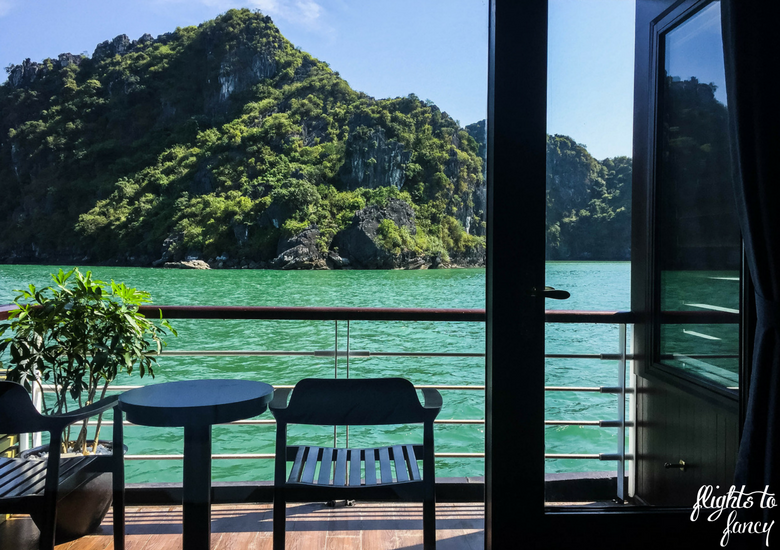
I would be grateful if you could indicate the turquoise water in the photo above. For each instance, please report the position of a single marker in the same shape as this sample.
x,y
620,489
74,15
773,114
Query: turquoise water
x,y
594,286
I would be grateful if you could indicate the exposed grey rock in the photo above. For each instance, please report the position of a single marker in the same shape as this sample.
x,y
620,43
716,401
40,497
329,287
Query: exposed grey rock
x,y
372,161
298,257
478,131
473,257
15,159
274,216
171,248
303,70
479,198
408,259
241,232
358,244
462,205
313,129
187,264
306,238
25,74
67,59
242,69
299,251
109,48
334,261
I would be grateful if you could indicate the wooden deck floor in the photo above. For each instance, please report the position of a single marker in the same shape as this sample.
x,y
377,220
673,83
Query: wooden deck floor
x,y
366,526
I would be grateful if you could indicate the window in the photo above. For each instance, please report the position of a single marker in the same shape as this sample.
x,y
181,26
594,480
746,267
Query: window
x,y
698,245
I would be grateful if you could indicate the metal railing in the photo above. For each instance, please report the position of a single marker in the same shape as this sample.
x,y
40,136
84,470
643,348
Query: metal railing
x,y
342,317
348,315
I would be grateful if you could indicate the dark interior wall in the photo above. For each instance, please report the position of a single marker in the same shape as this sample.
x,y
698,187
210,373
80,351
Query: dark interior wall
x,y
674,425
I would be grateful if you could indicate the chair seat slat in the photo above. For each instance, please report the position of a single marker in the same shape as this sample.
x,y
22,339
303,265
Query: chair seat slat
x,y
18,469
7,465
354,467
326,468
384,465
344,467
311,465
23,469
30,478
340,477
412,461
295,473
370,459
68,467
401,473
25,484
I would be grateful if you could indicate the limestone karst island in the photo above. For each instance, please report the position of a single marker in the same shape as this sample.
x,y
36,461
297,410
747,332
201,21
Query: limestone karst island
x,y
224,145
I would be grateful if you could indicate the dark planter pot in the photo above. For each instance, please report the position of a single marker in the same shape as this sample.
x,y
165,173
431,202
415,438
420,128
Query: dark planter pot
x,y
81,511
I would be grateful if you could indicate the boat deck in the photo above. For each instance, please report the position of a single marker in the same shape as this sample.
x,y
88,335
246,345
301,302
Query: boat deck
x,y
366,526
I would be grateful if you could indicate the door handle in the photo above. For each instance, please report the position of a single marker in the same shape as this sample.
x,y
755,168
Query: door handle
x,y
550,292
679,465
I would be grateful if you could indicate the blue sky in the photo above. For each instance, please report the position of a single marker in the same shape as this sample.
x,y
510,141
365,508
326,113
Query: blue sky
x,y
695,48
436,49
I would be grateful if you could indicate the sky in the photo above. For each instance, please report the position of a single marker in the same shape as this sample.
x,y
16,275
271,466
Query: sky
x,y
695,48
436,49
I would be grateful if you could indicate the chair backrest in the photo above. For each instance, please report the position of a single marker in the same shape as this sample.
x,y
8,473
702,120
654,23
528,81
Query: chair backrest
x,y
17,412
354,402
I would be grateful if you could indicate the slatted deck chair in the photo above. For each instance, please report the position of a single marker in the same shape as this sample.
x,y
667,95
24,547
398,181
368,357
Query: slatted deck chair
x,y
352,473
35,486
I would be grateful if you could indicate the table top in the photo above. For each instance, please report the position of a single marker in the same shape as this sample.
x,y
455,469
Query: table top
x,y
195,402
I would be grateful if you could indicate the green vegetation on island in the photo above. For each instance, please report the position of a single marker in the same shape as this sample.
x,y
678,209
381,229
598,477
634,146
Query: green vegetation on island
x,y
225,143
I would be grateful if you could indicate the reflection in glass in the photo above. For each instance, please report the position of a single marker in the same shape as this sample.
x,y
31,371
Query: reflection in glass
x,y
698,245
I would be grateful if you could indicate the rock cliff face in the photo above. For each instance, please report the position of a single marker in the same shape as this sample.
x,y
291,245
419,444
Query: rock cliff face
x,y
474,221
118,46
358,243
572,175
299,251
243,68
372,161
26,73
478,131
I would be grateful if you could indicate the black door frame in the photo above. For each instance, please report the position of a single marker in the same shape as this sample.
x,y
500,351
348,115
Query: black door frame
x,y
515,513
514,401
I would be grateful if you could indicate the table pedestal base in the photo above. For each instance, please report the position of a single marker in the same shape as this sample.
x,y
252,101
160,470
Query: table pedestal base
x,y
196,513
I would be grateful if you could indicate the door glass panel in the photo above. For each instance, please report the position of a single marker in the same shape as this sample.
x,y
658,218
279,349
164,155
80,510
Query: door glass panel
x,y
698,245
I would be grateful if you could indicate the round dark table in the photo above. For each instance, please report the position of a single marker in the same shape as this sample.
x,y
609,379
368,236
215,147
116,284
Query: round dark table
x,y
196,405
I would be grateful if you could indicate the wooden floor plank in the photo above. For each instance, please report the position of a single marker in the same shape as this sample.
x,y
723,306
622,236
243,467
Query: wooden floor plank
x,y
366,526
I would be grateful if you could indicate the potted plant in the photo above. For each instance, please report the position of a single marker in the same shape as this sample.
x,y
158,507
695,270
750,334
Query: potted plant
x,y
78,335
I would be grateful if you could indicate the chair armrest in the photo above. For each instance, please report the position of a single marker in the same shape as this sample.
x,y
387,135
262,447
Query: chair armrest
x,y
279,402
90,410
432,399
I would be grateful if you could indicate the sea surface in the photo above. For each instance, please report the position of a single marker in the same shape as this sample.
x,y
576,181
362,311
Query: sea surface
x,y
593,285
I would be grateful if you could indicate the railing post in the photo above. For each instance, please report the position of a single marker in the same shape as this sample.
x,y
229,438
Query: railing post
x,y
621,466
336,371
347,427
24,439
